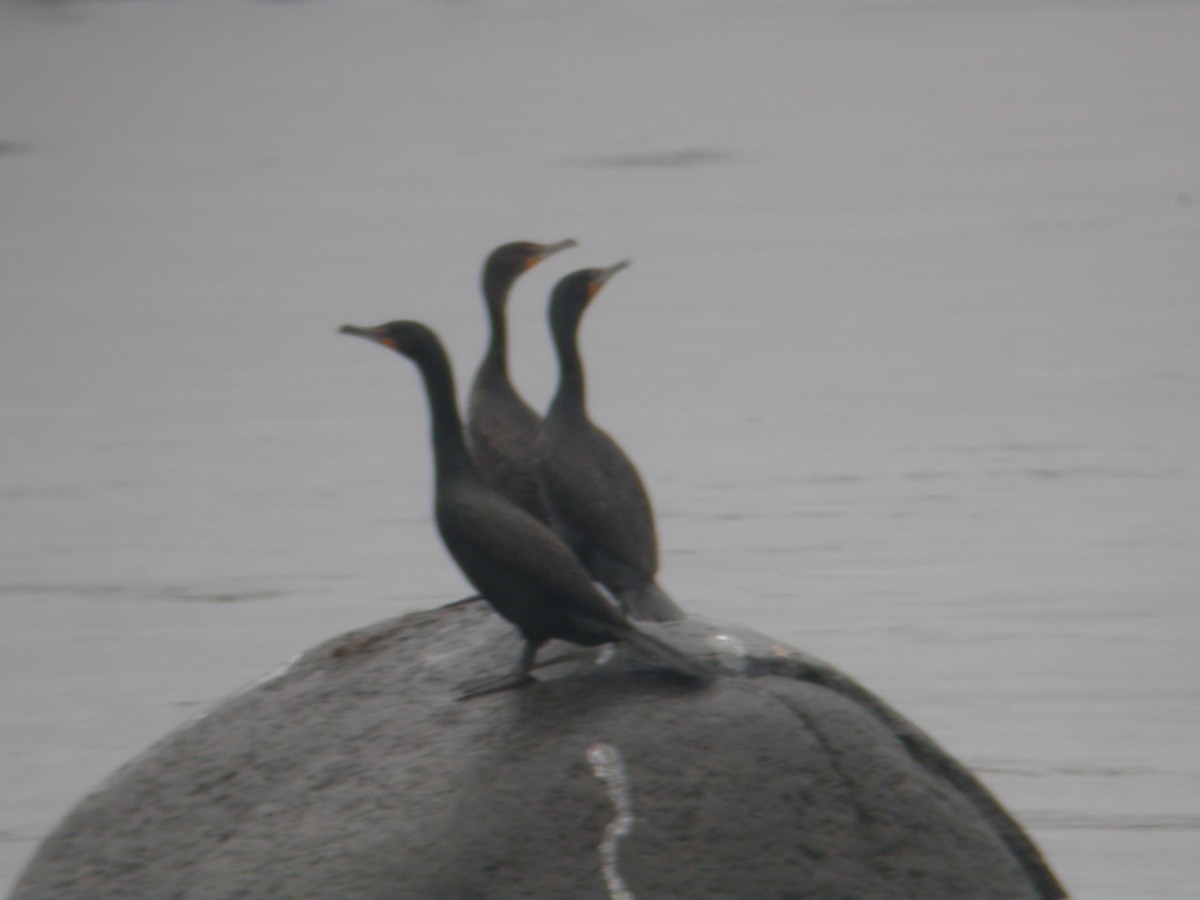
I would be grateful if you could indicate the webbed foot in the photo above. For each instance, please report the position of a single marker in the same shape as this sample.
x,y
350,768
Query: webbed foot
x,y
569,656
477,687
474,598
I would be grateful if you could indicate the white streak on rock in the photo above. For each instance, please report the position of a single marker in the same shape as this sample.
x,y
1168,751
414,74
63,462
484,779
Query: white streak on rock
x,y
610,768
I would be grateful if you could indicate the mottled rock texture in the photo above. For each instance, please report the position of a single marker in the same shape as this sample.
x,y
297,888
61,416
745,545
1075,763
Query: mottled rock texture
x,y
357,774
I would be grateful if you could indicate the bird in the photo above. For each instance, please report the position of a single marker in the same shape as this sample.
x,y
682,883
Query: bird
x,y
501,426
527,574
596,499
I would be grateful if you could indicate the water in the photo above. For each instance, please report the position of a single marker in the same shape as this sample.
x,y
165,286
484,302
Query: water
x,y
907,356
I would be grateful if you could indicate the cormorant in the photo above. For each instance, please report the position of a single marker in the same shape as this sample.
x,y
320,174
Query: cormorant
x,y
521,568
501,427
596,499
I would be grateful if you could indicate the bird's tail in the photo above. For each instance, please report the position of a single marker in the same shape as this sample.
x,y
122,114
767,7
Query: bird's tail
x,y
649,603
663,654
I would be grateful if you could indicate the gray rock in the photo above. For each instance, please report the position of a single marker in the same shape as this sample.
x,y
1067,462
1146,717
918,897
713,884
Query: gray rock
x,y
357,774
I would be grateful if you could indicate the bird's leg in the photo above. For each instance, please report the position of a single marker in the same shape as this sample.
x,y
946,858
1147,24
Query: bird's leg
x,y
518,677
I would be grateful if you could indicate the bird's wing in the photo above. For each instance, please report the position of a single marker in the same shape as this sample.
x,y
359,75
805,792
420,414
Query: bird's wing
x,y
508,543
596,492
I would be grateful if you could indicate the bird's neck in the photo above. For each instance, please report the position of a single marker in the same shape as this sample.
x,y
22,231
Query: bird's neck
x,y
495,360
450,455
571,395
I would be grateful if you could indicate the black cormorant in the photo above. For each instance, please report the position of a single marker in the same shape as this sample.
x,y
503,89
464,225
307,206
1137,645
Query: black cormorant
x,y
595,497
521,568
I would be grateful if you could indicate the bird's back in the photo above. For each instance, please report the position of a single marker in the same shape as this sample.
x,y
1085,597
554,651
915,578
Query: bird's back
x,y
502,431
595,495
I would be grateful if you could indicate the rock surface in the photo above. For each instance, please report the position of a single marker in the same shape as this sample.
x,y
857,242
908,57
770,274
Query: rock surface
x,y
356,774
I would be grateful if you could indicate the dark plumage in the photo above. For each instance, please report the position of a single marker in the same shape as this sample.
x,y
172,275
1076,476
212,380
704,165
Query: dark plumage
x,y
595,497
519,566
502,427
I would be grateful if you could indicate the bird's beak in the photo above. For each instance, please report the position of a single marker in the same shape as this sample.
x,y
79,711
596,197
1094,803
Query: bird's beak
x,y
550,250
371,334
602,275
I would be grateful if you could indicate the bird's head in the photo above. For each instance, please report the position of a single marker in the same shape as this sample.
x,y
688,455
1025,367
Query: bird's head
x,y
412,339
574,291
508,261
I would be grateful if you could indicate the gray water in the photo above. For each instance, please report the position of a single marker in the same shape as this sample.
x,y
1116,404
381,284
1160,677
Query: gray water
x,y
907,356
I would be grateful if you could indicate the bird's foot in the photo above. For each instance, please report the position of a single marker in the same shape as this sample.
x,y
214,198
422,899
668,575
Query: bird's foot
x,y
477,687
474,598
570,656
